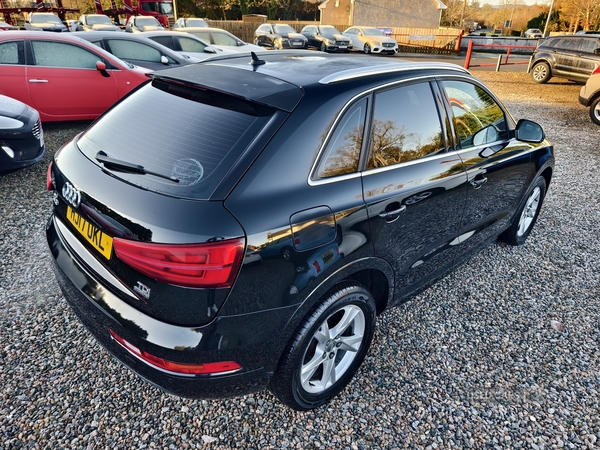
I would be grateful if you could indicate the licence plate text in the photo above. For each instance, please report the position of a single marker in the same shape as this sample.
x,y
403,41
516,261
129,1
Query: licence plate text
x,y
91,233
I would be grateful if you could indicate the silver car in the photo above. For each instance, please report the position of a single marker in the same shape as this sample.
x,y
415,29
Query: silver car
x,y
590,96
371,40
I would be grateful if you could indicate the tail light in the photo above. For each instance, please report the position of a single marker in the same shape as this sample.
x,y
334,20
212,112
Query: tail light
x,y
597,70
216,368
210,265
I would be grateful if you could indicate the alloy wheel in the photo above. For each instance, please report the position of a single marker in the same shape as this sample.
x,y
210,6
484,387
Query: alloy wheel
x,y
529,211
332,349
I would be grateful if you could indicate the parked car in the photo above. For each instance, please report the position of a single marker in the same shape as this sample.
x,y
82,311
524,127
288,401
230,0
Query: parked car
x,y
221,39
371,40
137,49
588,32
96,22
570,57
533,33
590,95
326,38
21,135
185,43
193,22
137,24
62,76
279,36
239,154
41,21
7,27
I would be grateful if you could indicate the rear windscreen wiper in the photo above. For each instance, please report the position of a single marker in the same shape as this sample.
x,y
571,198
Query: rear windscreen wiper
x,y
129,167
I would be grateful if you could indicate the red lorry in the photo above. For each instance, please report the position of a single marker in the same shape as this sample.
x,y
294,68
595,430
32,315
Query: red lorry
x,y
162,10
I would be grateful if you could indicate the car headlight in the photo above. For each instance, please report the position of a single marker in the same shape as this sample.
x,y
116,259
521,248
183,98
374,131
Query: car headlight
x,y
329,41
7,123
284,39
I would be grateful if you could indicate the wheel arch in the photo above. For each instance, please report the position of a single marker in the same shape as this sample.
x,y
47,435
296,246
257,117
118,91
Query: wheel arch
x,y
375,274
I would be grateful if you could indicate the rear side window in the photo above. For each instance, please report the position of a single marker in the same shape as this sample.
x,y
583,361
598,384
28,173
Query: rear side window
x,y
12,53
192,135
342,152
406,126
589,45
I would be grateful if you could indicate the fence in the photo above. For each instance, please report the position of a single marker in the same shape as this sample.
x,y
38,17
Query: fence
x,y
499,62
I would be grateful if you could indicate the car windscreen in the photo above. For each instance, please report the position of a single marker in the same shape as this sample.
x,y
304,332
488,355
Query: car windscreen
x,y
186,139
283,29
45,18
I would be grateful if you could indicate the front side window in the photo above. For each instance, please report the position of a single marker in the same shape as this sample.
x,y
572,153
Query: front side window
x,y
477,118
405,126
191,45
59,54
342,152
134,50
224,39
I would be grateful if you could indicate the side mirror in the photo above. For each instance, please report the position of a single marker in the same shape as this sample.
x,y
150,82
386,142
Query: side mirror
x,y
209,49
164,60
101,67
597,51
528,131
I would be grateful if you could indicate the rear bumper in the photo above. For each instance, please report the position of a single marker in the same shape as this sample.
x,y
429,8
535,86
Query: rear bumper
x,y
249,339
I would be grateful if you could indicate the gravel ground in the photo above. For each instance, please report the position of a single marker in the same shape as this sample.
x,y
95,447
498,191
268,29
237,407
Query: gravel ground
x,y
504,353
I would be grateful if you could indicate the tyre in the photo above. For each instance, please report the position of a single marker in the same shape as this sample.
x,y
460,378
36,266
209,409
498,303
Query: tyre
x,y
595,111
323,47
541,73
327,348
527,215
367,49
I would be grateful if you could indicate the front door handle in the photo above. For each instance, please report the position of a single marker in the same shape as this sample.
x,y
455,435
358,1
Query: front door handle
x,y
38,81
477,182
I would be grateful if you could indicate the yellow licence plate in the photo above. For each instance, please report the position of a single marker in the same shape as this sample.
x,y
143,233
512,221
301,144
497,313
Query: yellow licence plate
x,y
91,233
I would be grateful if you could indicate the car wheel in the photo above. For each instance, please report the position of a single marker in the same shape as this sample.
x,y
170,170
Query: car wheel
x,y
327,349
367,49
526,217
256,42
541,73
595,111
323,47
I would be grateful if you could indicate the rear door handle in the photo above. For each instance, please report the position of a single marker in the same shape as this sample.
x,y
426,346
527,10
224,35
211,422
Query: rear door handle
x,y
391,216
477,182
38,81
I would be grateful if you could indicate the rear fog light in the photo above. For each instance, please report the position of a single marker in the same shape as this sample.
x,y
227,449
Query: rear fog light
x,y
216,368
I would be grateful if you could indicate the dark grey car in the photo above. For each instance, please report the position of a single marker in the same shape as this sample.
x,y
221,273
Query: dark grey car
x,y
137,50
570,57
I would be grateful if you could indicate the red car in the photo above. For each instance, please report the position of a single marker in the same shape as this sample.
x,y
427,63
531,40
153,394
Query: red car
x,y
62,76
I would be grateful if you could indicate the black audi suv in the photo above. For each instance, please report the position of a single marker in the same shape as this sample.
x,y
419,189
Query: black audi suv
x,y
246,233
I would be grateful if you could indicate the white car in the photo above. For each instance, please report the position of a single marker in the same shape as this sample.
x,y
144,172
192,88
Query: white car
x,y
221,39
185,43
533,33
371,40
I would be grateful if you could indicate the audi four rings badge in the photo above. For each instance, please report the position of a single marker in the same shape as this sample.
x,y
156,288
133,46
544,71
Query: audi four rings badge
x,y
71,195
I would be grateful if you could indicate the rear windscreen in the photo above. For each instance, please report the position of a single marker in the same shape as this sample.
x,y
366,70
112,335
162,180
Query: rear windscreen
x,y
186,139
